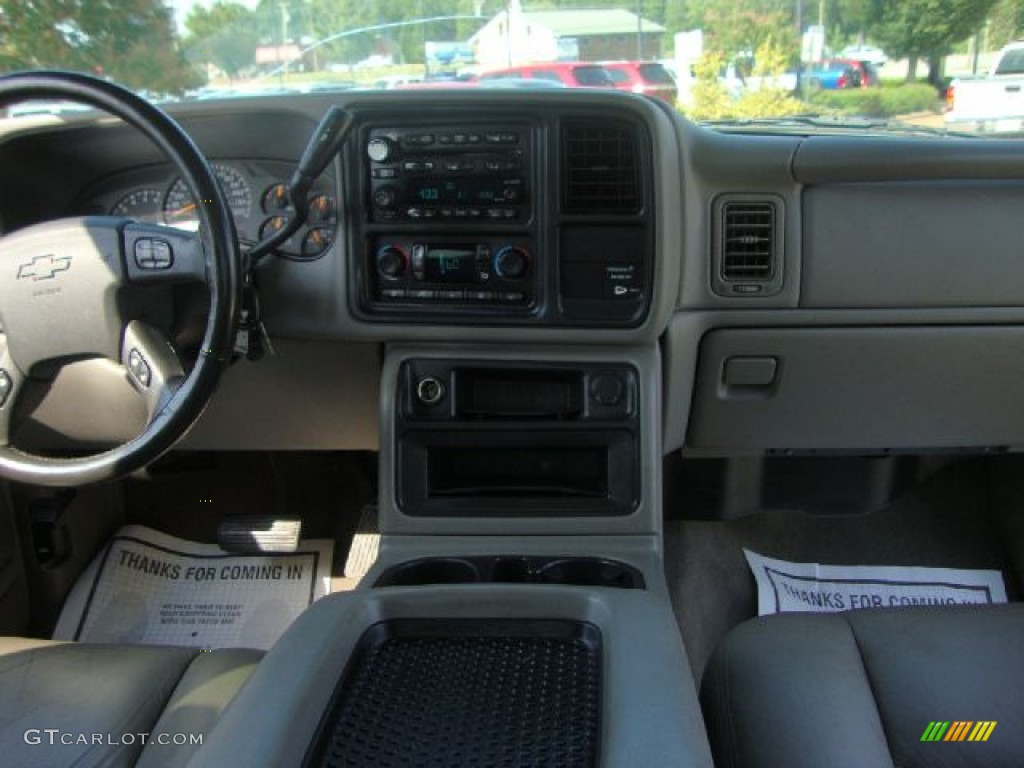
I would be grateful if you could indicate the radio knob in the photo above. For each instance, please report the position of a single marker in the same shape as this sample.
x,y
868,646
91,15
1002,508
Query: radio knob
x,y
391,262
380,149
385,197
511,263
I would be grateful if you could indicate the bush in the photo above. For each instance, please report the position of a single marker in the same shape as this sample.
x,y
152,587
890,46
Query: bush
x,y
880,102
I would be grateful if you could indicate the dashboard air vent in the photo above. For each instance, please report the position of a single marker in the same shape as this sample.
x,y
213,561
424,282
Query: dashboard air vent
x,y
748,241
602,173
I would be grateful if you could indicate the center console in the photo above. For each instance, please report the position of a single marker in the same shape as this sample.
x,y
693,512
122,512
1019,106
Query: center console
x,y
516,613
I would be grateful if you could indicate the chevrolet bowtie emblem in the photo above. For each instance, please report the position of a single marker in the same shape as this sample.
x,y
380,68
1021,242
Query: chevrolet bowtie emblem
x,y
44,267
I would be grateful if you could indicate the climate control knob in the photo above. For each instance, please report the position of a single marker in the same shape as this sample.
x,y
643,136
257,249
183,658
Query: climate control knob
x,y
391,262
511,263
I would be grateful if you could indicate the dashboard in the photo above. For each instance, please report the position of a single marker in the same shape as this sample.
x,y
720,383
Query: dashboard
x,y
800,292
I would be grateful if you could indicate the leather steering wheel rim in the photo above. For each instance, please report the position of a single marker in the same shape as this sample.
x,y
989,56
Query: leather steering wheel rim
x,y
220,242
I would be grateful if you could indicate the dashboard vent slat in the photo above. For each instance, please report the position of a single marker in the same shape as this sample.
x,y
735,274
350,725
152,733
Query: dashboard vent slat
x,y
748,241
601,168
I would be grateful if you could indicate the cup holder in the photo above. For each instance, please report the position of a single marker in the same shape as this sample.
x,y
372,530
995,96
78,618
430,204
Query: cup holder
x,y
431,570
589,572
513,569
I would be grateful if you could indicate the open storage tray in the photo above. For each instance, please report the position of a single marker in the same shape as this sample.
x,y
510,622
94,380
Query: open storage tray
x,y
507,693
512,569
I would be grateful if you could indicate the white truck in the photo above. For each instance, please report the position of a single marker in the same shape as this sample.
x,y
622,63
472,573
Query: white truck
x,y
994,102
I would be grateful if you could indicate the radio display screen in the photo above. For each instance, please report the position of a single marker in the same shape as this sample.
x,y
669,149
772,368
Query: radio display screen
x,y
466,192
450,265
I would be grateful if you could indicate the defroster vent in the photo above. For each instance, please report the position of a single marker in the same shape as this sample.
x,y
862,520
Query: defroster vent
x,y
748,241
601,168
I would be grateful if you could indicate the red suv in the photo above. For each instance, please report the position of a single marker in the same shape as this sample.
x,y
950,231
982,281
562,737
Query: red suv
x,y
574,74
649,78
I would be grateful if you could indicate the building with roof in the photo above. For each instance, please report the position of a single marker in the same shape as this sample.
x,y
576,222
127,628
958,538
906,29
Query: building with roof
x,y
515,37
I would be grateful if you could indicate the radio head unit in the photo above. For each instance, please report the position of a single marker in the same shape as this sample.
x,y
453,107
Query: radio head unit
x,y
446,172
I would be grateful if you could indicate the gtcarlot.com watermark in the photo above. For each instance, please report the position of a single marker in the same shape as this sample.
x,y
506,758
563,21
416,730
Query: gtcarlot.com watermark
x,y
55,736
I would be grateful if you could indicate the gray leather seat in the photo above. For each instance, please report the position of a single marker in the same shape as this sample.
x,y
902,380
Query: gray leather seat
x,y
860,689
87,704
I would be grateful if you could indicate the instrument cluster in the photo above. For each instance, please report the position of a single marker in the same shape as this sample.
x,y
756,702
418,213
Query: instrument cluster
x,y
255,192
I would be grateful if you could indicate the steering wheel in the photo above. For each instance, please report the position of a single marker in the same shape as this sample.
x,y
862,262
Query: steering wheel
x,y
61,284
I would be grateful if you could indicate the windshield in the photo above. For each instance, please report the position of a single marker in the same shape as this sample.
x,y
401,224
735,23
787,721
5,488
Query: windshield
x,y
731,62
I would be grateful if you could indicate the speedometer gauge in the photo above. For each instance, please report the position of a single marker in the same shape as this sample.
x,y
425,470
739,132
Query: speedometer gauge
x,y
140,204
180,208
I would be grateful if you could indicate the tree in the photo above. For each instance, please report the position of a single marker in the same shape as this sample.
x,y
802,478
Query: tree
x,y
131,41
1007,23
928,29
224,34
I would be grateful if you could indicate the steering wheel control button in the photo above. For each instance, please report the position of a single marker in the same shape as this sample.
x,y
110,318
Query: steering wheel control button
x,y
6,385
139,368
153,254
430,390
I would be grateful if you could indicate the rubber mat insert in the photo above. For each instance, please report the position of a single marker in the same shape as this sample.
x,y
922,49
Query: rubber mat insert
x,y
439,693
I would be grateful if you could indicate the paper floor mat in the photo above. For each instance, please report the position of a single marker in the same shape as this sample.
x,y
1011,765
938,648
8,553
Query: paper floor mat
x,y
148,587
783,586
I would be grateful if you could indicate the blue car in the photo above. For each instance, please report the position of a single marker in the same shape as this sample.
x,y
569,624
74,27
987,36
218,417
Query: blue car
x,y
832,74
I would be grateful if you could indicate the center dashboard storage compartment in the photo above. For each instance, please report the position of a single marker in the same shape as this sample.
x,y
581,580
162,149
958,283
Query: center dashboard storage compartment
x,y
495,692
529,440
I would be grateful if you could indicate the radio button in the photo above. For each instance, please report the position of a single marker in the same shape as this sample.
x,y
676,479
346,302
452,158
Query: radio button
x,y
508,138
473,138
475,213
446,213
412,165
392,293
385,173
452,165
414,213
494,213
492,138
459,138
513,296
451,294
421,293
444,138
430,213
418,139
385,197
481,295
380,149
461,213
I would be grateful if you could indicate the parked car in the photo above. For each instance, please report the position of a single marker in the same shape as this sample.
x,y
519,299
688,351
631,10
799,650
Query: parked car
x,y
833,74
864,53
649,78
994,102
574,74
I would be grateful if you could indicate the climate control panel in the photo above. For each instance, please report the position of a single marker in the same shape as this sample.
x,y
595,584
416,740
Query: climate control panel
x,y
495,271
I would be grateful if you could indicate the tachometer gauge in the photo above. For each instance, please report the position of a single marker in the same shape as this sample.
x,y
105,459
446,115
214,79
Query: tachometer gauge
x,y
180,208
139,204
